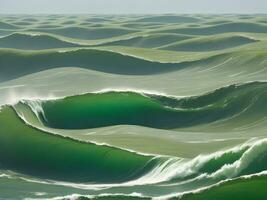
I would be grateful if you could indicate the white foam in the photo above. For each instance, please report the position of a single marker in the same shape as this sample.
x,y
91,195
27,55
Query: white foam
x,y
36,107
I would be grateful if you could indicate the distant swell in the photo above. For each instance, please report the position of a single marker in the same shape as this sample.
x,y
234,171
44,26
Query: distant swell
x,y
33,42
209,43
17,63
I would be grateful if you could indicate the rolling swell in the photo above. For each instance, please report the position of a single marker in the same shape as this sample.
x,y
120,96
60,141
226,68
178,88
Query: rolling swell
x,y
242,103
86,33
209,44
148,41
221,28
169,19
30,151
33,42
17,63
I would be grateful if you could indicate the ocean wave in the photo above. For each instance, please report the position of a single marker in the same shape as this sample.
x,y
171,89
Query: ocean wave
x,y
241,103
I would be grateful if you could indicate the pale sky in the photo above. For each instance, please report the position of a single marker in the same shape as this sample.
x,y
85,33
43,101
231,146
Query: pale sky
x,y
132,6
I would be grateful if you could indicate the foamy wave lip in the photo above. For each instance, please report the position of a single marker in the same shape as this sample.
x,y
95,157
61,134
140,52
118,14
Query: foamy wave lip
x,y
36,107
14,98
144,92
127,89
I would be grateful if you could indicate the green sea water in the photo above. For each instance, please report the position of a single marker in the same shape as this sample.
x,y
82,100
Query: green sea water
x,y
133,107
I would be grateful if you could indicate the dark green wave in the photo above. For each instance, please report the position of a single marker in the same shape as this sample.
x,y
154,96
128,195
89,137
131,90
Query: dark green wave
x,y
115,108
30,151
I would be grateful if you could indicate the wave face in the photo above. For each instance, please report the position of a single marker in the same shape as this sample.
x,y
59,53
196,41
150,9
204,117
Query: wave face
x,y
30,151
238,102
